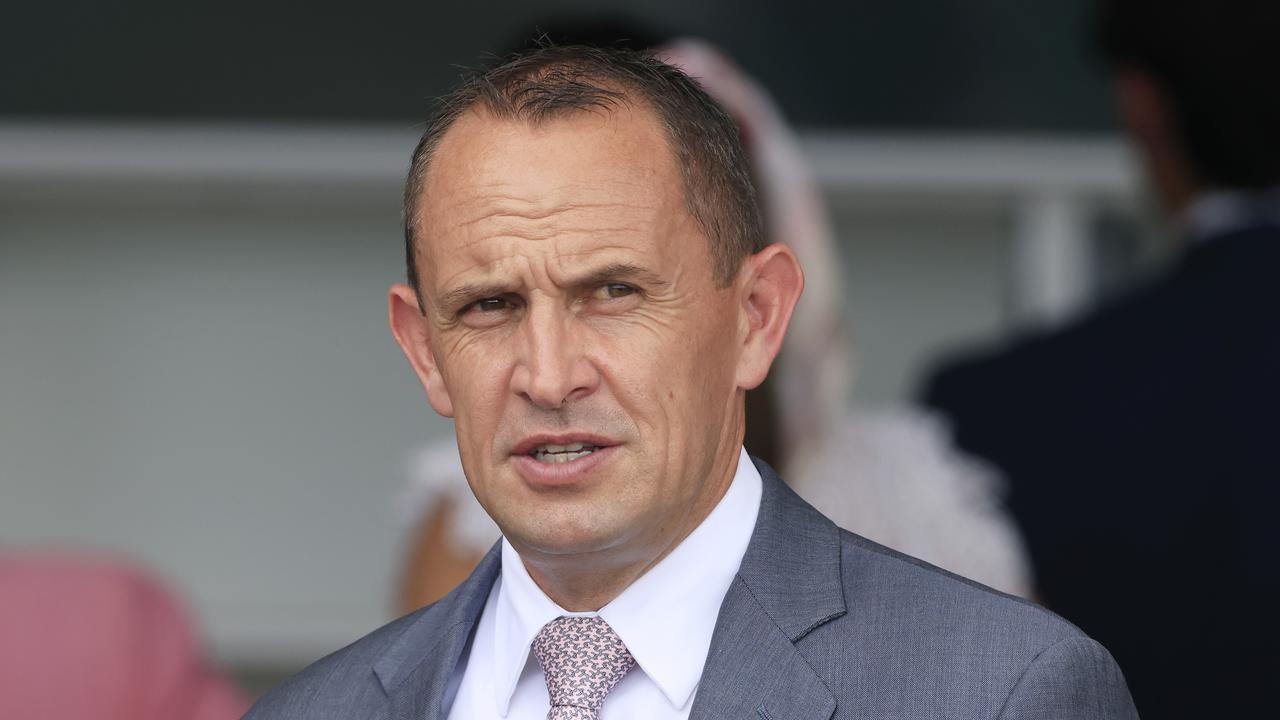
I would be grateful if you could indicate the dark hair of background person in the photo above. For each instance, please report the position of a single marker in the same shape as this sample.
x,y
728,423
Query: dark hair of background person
x,y
1216,61
548,81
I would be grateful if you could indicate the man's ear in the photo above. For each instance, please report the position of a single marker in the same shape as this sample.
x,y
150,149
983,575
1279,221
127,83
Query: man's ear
x,y
1147,113
412,333
771,283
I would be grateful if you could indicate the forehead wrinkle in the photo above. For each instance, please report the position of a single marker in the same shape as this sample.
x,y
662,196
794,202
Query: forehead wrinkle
x,y
514,208
564,271
480,272
499,230
477,235
482,245
483,248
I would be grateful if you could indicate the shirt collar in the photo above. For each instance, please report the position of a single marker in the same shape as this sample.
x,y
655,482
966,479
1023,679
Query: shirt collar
x,y
1220,212
665,618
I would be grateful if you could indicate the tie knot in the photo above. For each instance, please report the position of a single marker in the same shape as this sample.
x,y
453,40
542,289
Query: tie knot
x,y
583,659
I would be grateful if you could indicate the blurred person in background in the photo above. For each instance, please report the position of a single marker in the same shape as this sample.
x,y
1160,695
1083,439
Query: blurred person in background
x,y
1140,439
890,475
85,637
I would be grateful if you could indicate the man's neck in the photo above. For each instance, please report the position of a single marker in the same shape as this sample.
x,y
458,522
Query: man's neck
x,y
586,590
586,582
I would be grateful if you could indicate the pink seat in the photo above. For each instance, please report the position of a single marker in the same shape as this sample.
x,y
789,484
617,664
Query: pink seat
x,y
87,638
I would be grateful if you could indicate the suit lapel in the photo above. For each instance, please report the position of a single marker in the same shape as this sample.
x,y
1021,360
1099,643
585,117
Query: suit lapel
x,y
755,671
788,585
419,696
416,669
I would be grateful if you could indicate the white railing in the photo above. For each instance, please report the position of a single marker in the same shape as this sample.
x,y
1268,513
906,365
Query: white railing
x,y
1051,185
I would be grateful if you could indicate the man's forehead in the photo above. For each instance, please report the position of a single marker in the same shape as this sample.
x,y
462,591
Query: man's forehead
x,y
506,239
619,151
603,175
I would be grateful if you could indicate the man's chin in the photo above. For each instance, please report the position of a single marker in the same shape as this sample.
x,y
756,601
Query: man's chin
x,y
556,535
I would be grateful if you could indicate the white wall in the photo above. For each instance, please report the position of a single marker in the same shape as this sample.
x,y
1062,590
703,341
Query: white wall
x,y
215,393
917,285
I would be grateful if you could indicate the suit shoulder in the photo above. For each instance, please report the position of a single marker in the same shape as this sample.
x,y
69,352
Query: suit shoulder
x,y
331,685
349,682
1073,677
905,590
908,624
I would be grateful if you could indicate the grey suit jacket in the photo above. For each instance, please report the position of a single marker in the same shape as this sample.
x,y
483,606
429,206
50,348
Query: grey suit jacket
x,y
819,623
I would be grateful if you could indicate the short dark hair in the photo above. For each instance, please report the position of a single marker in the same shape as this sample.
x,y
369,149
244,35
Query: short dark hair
x,y
547,82
1216,61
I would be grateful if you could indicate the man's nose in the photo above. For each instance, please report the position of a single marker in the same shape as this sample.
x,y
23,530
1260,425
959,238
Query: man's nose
x,y
552,368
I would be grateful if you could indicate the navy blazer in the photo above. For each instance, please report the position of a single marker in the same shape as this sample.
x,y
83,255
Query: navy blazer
x,y
1141,450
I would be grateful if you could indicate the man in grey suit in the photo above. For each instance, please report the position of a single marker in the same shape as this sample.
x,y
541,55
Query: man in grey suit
x,y
590,298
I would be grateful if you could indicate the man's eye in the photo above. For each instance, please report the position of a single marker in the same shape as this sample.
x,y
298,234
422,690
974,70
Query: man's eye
x,y
613,291
490,304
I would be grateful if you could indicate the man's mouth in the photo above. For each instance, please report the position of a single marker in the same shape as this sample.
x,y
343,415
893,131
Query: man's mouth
x,y
548,453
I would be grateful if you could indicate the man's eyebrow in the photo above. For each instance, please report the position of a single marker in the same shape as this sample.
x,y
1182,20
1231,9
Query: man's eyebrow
x,y
618,272
457,298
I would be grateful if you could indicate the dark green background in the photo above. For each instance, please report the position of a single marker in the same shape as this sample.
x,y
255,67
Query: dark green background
x,y
896,64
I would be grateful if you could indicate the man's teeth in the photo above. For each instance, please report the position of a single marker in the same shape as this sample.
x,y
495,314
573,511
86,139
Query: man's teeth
x,y
563,453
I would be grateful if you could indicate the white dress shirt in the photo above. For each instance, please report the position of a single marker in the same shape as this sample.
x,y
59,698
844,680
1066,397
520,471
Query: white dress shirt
x,y
665,618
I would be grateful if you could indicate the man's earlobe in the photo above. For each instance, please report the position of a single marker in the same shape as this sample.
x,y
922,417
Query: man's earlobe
x,y
774,282
412,334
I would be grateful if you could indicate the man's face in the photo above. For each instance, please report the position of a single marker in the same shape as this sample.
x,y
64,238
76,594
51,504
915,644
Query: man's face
x,y
579,336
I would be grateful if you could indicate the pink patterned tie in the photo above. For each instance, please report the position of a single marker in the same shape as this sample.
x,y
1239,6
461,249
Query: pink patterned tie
x,y
583,659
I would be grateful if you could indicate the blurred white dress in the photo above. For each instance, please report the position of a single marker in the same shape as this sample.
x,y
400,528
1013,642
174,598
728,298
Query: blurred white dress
x,y
892,476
